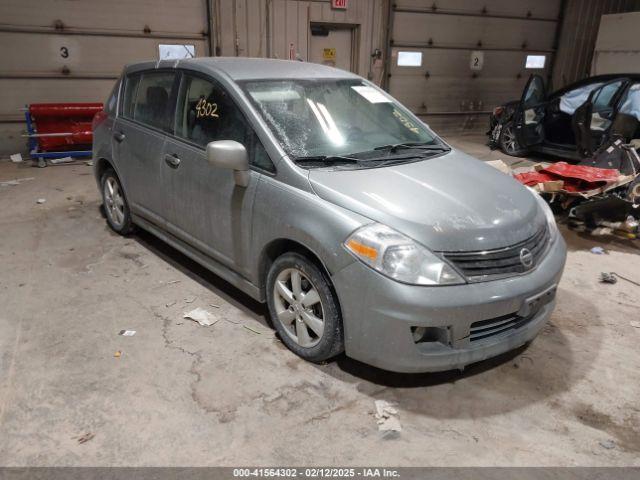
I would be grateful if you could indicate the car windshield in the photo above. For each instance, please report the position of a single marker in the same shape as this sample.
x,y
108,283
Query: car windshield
x,y
329,118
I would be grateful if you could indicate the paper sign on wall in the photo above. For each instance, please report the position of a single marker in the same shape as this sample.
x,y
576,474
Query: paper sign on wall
x,y
477,60
371,94
339,4
329,53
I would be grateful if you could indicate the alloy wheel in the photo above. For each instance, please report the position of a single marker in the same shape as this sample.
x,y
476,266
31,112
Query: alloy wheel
x,y
298,307
509,140
114,201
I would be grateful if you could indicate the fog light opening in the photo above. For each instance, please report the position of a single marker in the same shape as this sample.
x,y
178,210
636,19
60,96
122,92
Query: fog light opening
x,y
430,334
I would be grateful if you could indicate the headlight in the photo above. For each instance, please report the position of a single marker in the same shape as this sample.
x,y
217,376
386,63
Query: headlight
x,y
551,219
397,256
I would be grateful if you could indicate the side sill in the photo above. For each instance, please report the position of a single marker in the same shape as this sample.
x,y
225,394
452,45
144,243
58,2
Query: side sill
x,y
223,272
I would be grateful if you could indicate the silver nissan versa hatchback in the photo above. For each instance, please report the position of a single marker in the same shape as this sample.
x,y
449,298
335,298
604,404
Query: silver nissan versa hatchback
x,y
314,191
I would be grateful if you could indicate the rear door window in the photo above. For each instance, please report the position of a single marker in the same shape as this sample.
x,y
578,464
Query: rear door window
x,y
152,104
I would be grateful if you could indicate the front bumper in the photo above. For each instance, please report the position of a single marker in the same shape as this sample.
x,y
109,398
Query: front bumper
x,y
378,314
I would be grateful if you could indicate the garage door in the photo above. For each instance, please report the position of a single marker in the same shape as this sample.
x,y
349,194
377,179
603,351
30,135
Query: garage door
x,y
452,61
71,51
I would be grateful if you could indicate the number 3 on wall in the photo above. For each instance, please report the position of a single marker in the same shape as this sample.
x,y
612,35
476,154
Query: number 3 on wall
x,y
64,52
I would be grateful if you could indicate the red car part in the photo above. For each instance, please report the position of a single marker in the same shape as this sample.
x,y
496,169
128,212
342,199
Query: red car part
x,y
63,126
577,178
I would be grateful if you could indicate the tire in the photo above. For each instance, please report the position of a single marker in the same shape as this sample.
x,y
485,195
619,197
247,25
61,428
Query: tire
x,y
292,317
509,142
633,191
114,200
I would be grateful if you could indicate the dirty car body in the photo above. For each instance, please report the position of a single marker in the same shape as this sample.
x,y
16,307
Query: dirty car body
x,y
572,122
414,256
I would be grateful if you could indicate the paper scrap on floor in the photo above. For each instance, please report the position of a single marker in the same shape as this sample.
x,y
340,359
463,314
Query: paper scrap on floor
x,y
386,416
202,316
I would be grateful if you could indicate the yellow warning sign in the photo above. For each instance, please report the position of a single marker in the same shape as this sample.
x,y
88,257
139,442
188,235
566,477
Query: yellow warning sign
x,y
329,53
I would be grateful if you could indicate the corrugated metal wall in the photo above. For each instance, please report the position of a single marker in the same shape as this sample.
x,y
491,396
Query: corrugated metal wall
x,y
445,91
578,38
617,47
72,51
268,28
101,36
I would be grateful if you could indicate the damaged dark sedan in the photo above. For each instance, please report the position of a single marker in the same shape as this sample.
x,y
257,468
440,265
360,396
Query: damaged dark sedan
x,y
572,122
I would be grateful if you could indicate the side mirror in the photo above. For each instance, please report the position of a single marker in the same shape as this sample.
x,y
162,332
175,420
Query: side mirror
x,y
232,155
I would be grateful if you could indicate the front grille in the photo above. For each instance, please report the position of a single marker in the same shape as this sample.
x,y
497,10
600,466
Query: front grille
x,y
499,263
495,326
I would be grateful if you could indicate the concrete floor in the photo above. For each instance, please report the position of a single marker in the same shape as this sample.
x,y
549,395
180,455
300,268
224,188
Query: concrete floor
x,y
230,394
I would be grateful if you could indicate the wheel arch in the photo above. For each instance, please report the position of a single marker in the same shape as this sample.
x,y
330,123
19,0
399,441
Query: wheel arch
x,y
102,165
280,246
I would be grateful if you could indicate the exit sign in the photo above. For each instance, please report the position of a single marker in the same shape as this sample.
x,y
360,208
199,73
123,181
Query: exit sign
x,y
339,4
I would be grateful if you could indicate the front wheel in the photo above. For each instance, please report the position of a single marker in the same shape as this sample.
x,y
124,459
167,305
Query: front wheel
x,y
509,141
304,309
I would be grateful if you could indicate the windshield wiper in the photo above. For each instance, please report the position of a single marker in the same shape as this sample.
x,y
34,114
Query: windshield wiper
x,y
327,159
414,145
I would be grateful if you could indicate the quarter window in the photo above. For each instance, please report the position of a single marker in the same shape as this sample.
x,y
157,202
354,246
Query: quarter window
x,y
130,88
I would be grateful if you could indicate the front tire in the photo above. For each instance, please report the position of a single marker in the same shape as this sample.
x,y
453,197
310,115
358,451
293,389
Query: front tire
x,y
116,207
304,308
509,141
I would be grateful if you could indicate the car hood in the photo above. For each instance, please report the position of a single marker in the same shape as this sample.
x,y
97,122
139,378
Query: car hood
x,y
449,203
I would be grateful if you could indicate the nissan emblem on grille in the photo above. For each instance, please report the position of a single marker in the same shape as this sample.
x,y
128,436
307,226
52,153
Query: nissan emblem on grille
x,y
526,258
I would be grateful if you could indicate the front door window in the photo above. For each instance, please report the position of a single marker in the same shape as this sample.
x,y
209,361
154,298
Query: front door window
x,y
206,113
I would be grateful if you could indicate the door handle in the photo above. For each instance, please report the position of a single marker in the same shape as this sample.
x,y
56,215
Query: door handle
x,y
118,136
172,160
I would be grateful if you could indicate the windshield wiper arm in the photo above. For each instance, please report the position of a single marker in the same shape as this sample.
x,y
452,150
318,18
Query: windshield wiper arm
x,y
326,159
414,145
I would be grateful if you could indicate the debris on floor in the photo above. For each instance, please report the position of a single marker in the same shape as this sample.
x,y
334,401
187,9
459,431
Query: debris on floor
x,y
190,299
634,323
40,201
612,277
598,250
85,438
170,304
16,158
127,333
56,161
601,193
580,180
117,354
89,163
251,329
607,278
202,316
386,416
499,165
608,444
17,181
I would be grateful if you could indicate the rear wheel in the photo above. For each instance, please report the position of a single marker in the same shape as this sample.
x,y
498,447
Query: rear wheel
x,y
115,204
304,309
509,142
